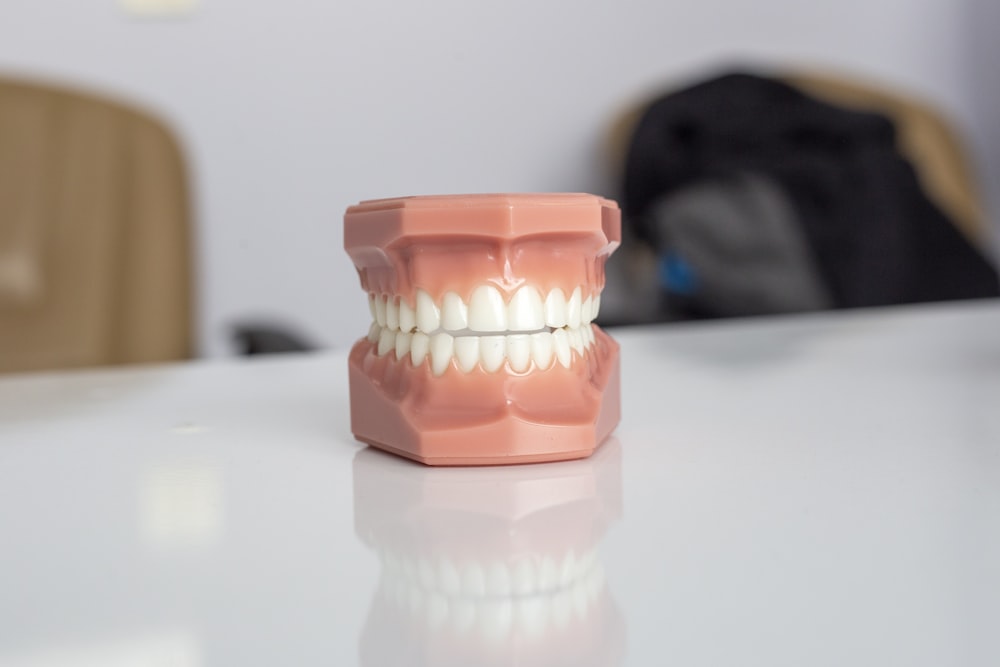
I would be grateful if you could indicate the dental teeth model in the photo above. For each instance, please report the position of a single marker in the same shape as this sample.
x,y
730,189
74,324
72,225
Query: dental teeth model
x,y
482,348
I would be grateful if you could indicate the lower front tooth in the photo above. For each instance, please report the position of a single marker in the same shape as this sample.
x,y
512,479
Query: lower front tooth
x,y
420,345
403,339
576,340
386,341
467,352
491,352
442,346
519,352
373,332
560,342
541,349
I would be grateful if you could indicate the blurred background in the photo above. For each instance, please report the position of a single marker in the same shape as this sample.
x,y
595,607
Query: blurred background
x,y
271,118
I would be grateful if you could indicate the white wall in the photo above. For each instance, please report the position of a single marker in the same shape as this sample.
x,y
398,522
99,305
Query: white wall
x,y
292,110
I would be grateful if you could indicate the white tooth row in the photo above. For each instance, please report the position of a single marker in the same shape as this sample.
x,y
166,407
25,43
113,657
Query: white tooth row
x,y
489,352
522,576
486,311
497,618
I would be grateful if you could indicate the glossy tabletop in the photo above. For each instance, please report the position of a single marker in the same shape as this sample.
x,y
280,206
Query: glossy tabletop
x,y
812,490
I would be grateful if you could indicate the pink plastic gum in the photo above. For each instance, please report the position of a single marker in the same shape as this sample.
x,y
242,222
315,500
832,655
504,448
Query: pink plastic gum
x,y
459,412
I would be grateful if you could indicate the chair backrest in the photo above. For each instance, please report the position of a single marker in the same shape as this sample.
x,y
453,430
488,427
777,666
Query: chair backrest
x,y
94,233
930,143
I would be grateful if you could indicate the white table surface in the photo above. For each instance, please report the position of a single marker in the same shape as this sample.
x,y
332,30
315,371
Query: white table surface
x,y
814,490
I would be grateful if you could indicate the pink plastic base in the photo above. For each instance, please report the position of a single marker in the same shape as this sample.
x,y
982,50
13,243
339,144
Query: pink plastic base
x,y
483,418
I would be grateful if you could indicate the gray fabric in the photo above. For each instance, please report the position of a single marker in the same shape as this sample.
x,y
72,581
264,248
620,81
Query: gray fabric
x,y
744,246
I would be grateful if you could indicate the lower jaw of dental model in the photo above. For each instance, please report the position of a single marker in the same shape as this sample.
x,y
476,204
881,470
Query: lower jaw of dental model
x,y
482,348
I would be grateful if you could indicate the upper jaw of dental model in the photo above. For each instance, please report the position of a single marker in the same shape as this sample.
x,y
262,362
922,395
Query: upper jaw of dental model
x,y
487,281
487,330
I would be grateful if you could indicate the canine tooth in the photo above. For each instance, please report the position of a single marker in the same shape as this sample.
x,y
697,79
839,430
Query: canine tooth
x,y
448,576
555,309
420,344
428,313
380,310
562,607
442,346
523,579
519,352
407,316
386,341
426,573
573,308
473,581
392,313
548,575
560,341
532,616
541,349
576,340
487,311
526,311
373,332
569,569
467,352
463,614
498,580
581,600
454,313
371,306
437,611
403,339
587,310
491,352
495,619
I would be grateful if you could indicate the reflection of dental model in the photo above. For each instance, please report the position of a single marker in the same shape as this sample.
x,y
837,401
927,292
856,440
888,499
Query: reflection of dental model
x,y
481,349
497,566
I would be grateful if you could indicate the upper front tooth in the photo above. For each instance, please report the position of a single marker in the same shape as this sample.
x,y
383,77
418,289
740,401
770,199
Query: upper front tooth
x,y
407,317
391,313
573,308
595,311
380,310
555,309
487,311
587,310
454,313
526,312
428,313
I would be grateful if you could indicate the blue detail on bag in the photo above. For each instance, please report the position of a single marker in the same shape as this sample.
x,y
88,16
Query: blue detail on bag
x,y
676,275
